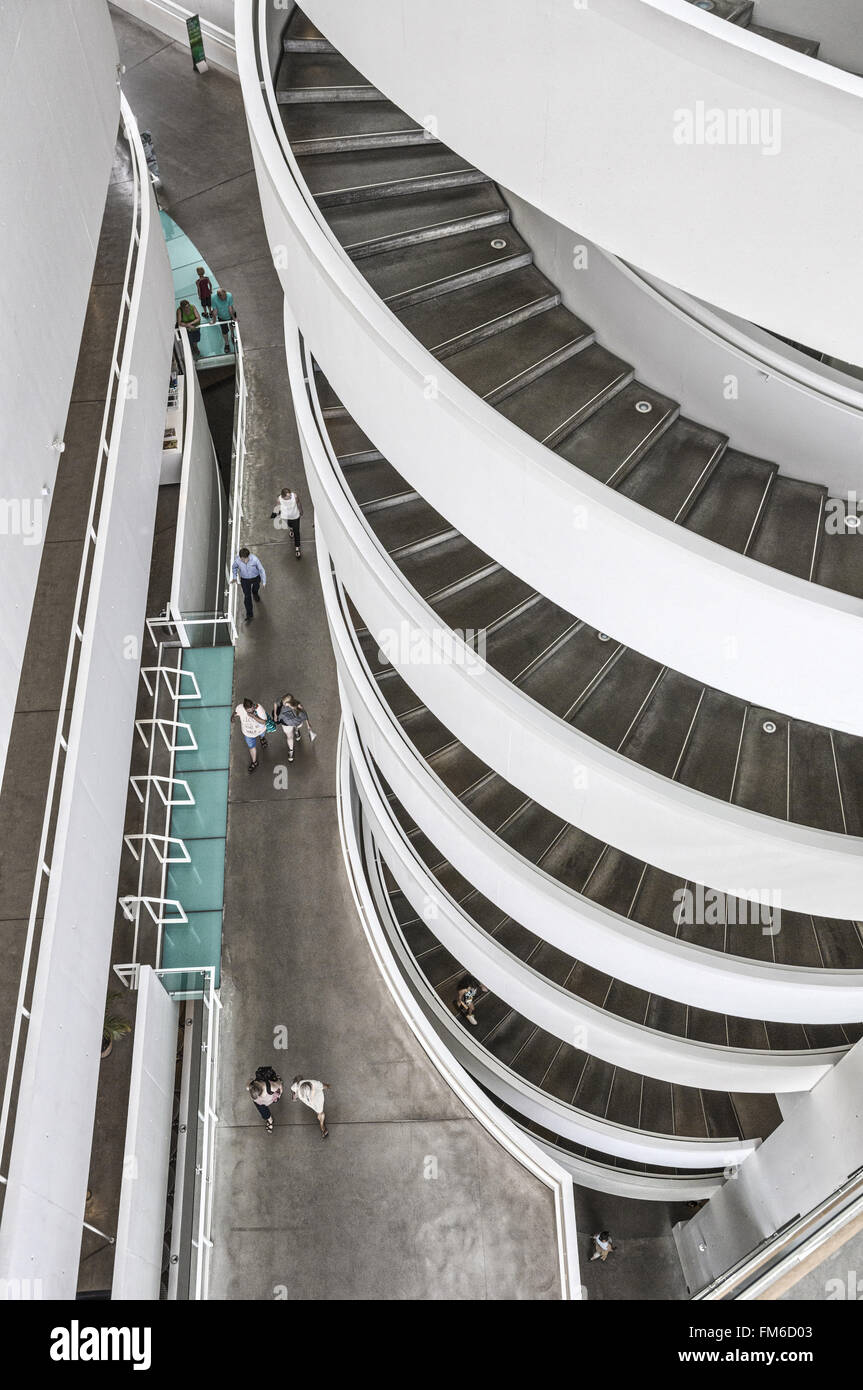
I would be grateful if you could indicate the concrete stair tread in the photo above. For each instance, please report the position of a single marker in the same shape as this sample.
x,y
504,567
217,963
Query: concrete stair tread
x,y
364,227
663,727
376,480
511,358
330,120
299,26
761,783
361,172
406,523
839,563
790,526
608,712
809,47
410,274
563,397
669,475
511,648
446,562
484,602
301,71
814,797
610,443
348,440
728,509
480,310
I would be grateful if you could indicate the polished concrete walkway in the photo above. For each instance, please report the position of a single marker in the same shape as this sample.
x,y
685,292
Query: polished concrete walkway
x,y
355,1217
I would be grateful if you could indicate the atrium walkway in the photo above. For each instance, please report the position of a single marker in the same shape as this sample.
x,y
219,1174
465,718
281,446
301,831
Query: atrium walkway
x,y
355,1217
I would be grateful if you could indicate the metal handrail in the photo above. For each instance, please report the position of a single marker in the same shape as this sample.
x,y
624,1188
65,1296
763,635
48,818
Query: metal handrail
x,y
112,419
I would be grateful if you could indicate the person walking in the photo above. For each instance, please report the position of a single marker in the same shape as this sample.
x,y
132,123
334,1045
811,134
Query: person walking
x,y
204,286
226,314
289,509
466,999
249,573
253,722
189,318
602,1246
291,716
311,1093
266,1089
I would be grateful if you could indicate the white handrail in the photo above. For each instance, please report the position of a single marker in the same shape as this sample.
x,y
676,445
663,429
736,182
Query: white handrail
x,y
621,802
615,1039
656,587
112,418
515,1142
616,945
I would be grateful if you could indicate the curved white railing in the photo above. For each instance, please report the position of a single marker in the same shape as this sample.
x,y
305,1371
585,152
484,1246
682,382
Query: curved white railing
x,y
578,1126
522,1148
74,941
638,80
111,421
768,398
639,955
556,1009
664,591
670,826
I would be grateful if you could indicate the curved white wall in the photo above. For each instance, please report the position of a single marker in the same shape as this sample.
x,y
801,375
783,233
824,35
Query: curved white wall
x,y
573,106
558,1010
619,947
662,590
770,400
615,799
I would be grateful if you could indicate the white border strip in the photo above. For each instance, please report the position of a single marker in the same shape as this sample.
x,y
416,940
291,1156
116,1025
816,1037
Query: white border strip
x,y
516,1143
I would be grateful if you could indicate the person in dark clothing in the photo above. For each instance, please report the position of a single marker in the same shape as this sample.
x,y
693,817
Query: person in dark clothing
x,y
204,286
265,1088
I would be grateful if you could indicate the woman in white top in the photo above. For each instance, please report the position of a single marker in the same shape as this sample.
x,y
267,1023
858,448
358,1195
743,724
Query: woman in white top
x,y
311,1093
253,722
289,509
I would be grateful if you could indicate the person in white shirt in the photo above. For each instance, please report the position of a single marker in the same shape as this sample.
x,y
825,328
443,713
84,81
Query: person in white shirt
x,y
288,510
602,1246
311,1093
253,722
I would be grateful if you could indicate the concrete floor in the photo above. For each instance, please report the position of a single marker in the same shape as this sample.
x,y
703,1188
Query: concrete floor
x,y
355,1217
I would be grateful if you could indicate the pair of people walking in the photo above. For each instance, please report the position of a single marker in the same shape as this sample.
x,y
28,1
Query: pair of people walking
x,y
247,570
266,1088
288,715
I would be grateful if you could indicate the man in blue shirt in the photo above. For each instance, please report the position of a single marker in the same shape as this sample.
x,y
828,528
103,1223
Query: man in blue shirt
x,y
250,573
225,314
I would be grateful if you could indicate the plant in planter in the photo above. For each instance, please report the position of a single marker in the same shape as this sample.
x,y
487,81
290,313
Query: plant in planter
x,y
113,1028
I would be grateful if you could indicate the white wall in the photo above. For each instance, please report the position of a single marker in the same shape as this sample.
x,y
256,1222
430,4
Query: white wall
x,y
573,106
169,18
146,1157
779,405
675,597
40,1235
796,1168
59,114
